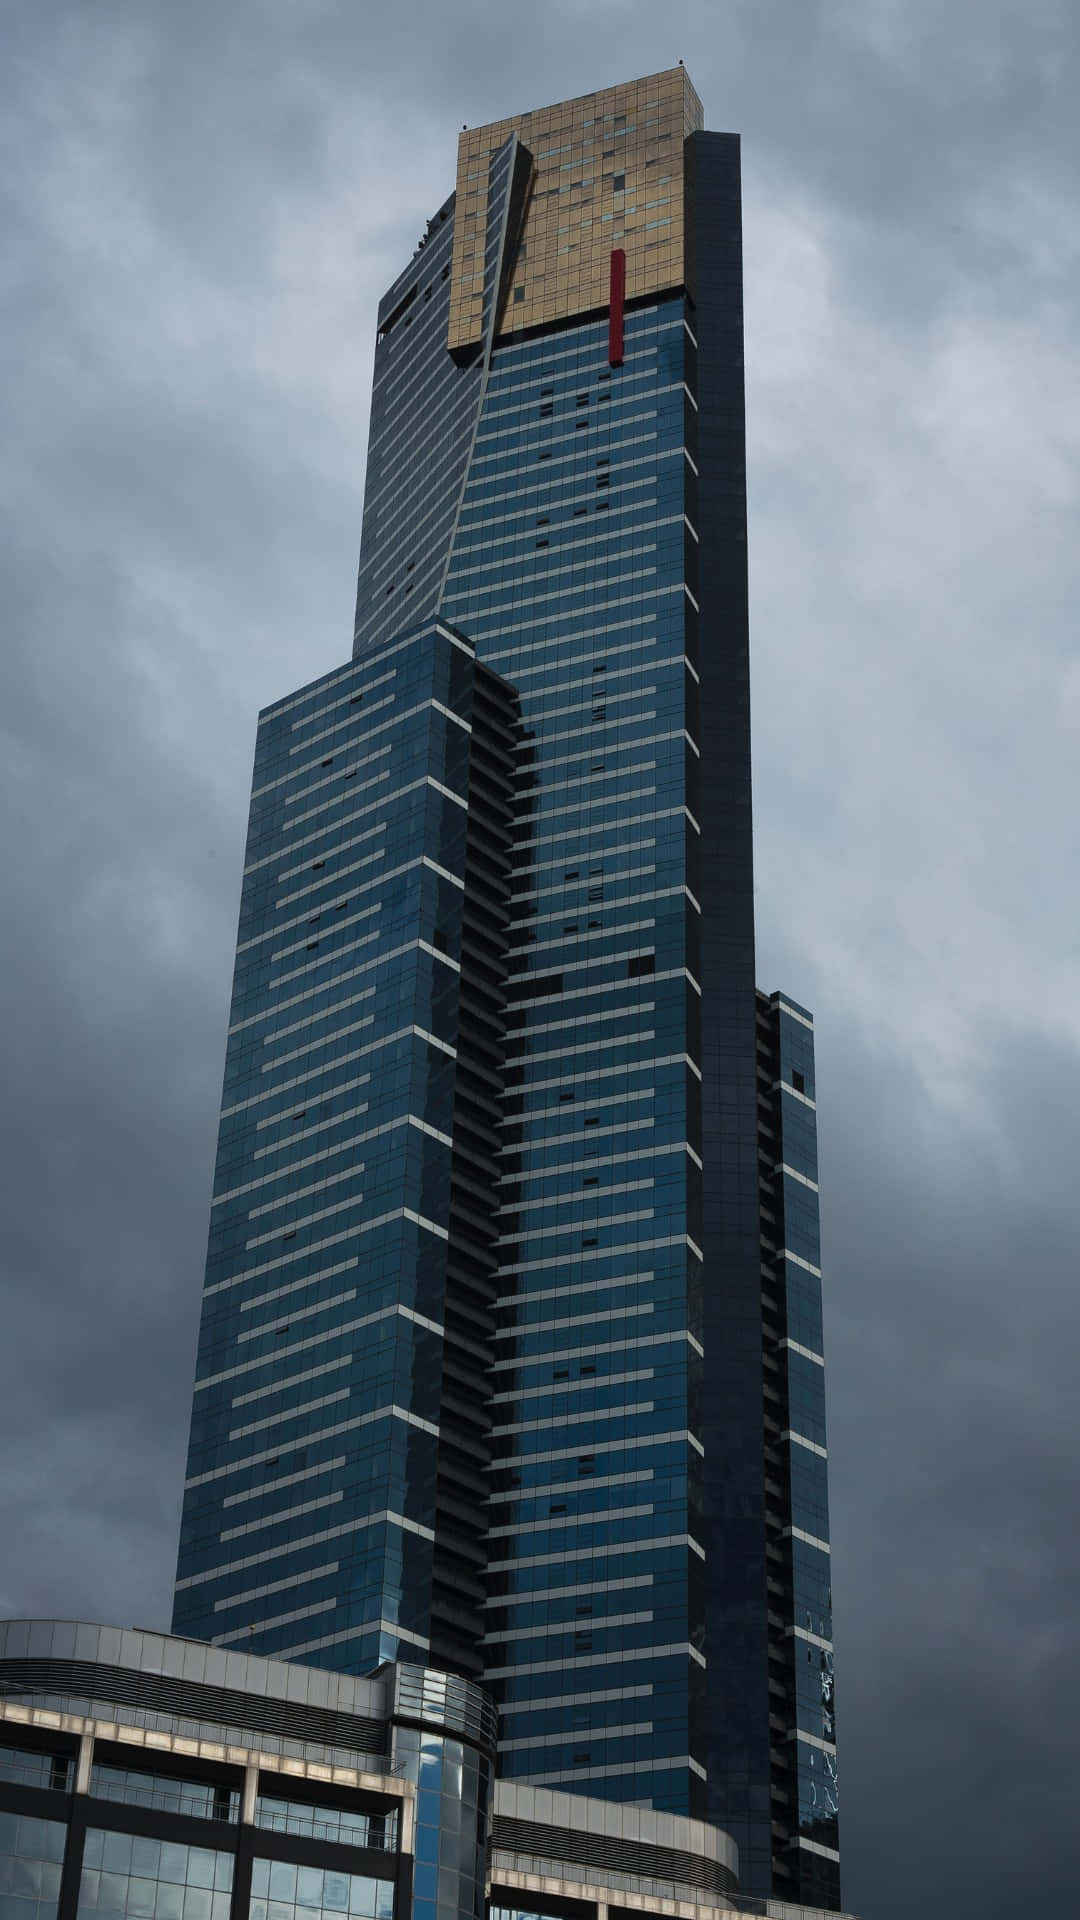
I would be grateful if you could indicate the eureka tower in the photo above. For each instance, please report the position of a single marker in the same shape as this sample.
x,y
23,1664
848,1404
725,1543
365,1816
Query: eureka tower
x,y
511,1356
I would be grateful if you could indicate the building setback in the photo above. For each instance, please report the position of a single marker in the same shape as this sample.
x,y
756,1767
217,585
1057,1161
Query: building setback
x,y
511,1352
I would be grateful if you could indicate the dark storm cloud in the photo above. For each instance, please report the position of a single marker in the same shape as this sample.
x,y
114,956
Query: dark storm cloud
x,y
201,206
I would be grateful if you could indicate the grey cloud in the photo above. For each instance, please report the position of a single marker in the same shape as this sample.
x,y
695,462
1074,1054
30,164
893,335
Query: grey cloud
x,y
202,207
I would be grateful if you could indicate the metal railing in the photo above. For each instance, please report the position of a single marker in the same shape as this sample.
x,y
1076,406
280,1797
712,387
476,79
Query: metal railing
x,y
52,1770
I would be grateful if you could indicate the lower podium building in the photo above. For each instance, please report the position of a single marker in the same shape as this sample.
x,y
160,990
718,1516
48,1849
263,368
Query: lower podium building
x,y
145,1777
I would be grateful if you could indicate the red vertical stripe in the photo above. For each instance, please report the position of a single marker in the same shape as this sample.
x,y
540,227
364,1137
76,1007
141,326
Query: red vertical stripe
x,y
615,319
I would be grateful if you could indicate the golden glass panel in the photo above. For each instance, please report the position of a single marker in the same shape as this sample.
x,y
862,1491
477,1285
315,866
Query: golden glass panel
x,y
572,221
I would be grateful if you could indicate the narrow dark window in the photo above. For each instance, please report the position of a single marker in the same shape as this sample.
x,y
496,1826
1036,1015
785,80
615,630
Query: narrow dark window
x,y
798,1082
544,984
641,963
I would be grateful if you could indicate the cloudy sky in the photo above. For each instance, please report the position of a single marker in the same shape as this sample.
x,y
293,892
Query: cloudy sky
x,y
201,204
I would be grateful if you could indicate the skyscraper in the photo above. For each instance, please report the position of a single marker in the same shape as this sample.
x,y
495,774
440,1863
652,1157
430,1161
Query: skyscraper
x,y
511,1349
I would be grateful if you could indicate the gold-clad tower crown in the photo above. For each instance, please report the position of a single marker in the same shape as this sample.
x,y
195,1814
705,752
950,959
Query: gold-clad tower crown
x,y
606,173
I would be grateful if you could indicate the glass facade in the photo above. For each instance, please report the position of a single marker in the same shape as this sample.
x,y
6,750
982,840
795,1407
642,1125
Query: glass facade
x,y
132,1875
140,1789
443,1742
345,1824
801,1654
31,1857
420,1826
31,1769
309,1517
495,1329
742,1798
569,571
453,1790
408,528
195,1784
572,568
281,1890
145,1875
